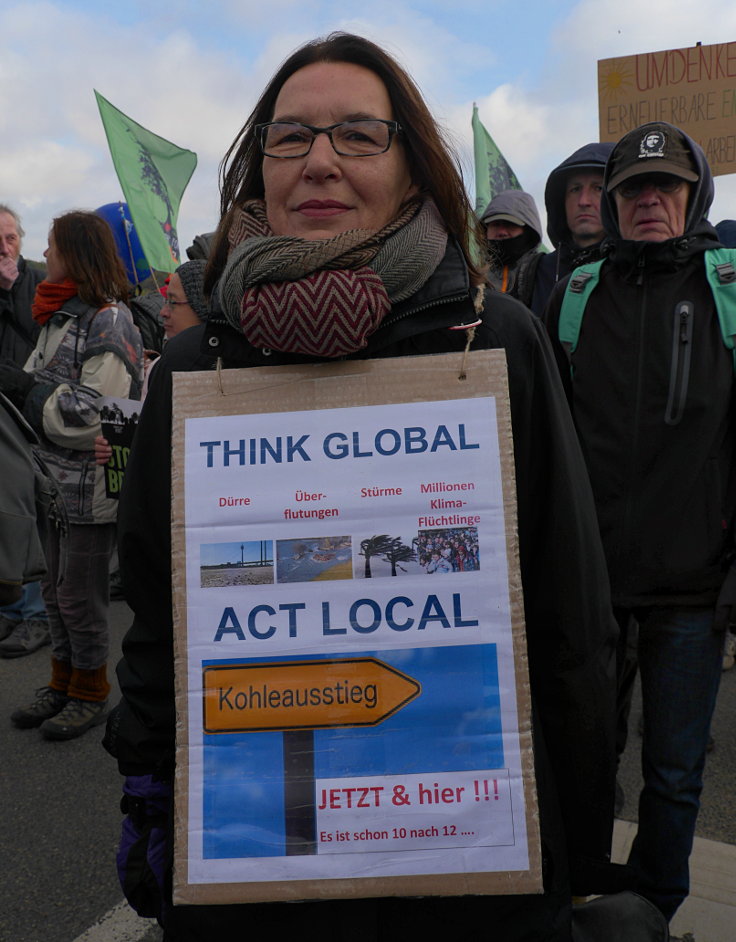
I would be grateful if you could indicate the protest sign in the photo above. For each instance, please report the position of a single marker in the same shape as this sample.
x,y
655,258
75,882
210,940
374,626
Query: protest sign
x,y
353,708
693,88
118,421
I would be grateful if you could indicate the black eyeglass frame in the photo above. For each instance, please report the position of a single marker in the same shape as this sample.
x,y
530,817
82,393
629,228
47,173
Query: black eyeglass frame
x,y
394,129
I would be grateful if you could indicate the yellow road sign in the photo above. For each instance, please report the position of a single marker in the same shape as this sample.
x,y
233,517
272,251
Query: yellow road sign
x,y
360,691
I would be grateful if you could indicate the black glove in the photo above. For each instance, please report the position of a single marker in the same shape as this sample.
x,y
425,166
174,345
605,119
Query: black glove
x,y
15,383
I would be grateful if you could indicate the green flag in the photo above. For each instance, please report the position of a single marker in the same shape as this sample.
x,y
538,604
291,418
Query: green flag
x,y
153,173
492,173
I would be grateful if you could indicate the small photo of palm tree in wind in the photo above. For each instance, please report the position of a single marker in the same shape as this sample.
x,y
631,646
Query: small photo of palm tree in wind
x,y
386,555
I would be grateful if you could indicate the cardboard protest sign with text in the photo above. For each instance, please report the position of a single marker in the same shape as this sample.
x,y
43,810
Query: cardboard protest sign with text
x,y
352,696
693,88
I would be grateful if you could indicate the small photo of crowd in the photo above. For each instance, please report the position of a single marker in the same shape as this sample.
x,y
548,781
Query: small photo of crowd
x,y
229,564
429,552
445,551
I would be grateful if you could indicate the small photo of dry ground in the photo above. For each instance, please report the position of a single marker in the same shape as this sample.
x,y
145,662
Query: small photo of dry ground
x,y
223,565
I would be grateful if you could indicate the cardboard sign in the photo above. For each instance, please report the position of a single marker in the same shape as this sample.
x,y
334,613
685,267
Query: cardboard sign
x,y
693,88
353,707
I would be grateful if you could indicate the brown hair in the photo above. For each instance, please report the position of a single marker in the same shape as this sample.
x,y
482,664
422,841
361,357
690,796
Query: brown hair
x,y
87,246
433,164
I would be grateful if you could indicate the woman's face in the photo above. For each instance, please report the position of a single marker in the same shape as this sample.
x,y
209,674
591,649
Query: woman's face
x,y
323,194
55,268
177,314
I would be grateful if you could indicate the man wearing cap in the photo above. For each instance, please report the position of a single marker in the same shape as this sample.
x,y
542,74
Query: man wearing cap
x,y
651,384
514,233
572,197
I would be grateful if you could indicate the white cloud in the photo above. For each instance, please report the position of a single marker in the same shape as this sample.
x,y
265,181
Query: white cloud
x,y
195,76
55,154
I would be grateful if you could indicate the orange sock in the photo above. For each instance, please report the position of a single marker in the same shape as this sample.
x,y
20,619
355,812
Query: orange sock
x,y
89,684
61,673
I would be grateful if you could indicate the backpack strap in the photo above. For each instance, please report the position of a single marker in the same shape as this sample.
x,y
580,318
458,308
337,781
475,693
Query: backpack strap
x,y
579,288
720,270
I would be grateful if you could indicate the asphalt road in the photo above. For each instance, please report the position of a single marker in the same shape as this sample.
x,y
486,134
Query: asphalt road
x,y
60,821
61,816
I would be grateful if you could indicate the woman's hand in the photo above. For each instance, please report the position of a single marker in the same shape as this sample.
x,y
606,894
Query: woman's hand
x,y
103,450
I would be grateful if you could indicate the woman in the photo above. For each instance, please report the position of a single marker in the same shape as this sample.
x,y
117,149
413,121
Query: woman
x,y
185,305
88,347
315,198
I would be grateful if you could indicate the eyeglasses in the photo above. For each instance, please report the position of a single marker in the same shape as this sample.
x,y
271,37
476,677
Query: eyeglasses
x,y
365,137
664,183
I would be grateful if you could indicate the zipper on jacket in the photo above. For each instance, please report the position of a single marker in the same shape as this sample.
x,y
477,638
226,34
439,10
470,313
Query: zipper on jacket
x,y
390,321
640,271
682,346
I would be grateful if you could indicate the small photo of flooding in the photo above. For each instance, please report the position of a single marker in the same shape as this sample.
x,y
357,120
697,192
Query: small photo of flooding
x,y
228,564
314,560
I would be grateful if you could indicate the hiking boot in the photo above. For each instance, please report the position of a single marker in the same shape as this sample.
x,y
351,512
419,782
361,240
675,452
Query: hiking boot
x,y
7,626
26,637
75,719
48,703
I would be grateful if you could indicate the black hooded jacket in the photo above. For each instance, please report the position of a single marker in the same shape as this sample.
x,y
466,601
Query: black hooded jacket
x,y
651,385
513,262
567,254
570,631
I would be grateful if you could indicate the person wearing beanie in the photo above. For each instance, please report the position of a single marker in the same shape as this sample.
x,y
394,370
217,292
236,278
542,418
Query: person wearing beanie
x,y
185,305
650,382
572,198
514,233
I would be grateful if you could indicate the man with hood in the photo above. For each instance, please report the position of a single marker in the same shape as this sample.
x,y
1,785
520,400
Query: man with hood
x,y
514,233
572,197
651,385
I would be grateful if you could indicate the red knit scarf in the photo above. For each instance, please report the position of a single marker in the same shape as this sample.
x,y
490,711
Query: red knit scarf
x,y
49,298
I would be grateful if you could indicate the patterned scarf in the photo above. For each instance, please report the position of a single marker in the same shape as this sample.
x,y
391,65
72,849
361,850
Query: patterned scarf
x,y
325,297
49,298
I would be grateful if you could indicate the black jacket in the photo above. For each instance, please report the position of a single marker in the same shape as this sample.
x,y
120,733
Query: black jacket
x,y
571,636
18,330
652,393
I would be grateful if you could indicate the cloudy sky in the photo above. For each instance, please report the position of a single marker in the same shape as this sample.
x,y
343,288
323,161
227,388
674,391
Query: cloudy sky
x,y
191,72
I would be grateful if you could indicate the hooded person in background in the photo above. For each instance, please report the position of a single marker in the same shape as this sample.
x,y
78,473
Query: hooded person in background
x,y
650,382
514,233
572,197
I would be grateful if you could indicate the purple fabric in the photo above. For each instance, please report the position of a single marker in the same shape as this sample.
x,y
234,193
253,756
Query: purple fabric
x,y
142,857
